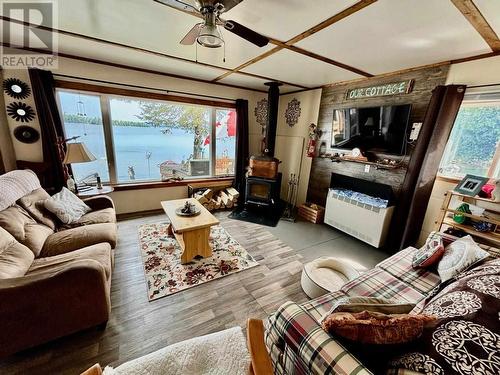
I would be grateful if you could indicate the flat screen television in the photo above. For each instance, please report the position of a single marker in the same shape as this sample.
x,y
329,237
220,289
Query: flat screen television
x,y
372,129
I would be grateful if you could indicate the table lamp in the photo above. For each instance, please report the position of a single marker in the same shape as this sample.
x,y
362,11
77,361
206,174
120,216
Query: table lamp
x,y
77,152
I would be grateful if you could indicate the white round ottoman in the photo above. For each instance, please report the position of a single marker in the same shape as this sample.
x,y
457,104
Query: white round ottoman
x,y
325,275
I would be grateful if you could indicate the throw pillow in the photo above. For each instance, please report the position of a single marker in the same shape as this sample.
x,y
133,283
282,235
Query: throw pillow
x,y
66,206
374,304
376,328
430,253
458,256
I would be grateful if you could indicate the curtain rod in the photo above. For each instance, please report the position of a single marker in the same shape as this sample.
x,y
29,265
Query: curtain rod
x,y
488,85
144,87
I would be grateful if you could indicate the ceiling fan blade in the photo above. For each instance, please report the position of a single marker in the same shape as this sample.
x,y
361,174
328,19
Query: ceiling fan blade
x,y
187,6
191,36
229,4
245,33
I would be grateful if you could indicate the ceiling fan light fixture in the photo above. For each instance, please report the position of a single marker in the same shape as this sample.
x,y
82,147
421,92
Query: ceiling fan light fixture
x,y
210,36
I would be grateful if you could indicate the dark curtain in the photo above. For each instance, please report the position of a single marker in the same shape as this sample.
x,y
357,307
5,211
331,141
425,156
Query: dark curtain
x,y
424,163
241,145
52,131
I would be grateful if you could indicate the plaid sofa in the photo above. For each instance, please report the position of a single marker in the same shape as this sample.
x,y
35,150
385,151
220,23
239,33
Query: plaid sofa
x,y
298,345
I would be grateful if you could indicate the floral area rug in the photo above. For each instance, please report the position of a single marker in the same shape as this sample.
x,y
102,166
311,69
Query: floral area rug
x,y
166,275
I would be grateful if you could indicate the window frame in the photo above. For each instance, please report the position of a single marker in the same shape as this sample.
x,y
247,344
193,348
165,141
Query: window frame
x,y
474,97
106,93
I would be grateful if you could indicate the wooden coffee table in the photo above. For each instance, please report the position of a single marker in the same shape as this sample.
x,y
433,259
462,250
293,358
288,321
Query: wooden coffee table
x,y
192,233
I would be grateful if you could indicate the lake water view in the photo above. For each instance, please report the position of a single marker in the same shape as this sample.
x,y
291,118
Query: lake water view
x,y
132,145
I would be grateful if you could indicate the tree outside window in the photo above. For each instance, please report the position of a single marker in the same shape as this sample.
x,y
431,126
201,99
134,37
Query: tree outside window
x,y
474,143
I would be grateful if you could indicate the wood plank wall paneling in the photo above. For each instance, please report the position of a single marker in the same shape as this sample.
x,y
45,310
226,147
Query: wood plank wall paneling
x,y
333,97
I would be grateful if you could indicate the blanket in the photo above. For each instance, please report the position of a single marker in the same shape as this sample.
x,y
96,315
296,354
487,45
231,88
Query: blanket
x,y
15,185
220,353
465,340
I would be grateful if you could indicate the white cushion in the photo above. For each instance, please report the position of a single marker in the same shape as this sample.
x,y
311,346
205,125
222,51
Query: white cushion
x,y
66,206
458,256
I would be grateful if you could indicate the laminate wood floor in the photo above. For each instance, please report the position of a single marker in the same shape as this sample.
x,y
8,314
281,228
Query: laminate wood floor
x,y
138,327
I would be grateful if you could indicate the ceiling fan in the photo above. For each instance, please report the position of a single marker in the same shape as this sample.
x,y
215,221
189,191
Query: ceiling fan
x,y
207,33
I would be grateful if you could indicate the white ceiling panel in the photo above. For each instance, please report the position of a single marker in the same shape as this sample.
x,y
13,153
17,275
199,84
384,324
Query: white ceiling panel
x,y
491,11
284,19
147,24
243,80
254,83
391,35
289,66
287,88
136,59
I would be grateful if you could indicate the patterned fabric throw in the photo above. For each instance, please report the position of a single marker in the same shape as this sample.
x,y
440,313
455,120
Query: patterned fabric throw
x,y
166,275
369,327
66,206
458,256
15,185
430,253
299,345
465,339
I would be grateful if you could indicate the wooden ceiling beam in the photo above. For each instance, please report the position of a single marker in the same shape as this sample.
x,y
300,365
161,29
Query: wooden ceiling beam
x,y
472,13
330,21
416,68
129,67
138,49
249,62
324,59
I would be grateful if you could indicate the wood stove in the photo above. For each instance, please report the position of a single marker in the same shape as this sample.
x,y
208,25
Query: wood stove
x,y
263,191
263,182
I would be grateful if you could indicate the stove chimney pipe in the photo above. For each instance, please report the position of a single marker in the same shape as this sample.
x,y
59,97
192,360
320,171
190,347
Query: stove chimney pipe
x,y
273,98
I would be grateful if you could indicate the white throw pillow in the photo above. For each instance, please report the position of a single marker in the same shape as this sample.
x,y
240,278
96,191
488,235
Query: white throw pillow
x,y
66,206
458,256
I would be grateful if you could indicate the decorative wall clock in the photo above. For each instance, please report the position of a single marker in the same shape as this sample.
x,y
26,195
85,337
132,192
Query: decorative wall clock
x,y
20,112
26,134
292,112
261,113
16,88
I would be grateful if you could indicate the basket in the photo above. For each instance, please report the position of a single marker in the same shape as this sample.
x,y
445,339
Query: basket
x,y
312,212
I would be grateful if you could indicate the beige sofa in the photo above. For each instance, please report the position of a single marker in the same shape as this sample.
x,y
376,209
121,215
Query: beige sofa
x,y
54,280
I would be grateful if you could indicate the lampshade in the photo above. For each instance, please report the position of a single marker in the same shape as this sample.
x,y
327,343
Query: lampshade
x,y
210,36
77,152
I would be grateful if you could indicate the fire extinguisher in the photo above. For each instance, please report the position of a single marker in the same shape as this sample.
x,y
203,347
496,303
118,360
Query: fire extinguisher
x,y
313,138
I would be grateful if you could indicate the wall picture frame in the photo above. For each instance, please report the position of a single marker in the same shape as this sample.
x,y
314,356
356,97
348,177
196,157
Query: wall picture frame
x,y
471,185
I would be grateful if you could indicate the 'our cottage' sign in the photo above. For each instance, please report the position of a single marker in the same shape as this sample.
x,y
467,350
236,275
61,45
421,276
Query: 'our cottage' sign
x,y
389,89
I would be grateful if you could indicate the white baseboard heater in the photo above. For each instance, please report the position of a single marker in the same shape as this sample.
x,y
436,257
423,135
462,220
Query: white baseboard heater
x,y
364,221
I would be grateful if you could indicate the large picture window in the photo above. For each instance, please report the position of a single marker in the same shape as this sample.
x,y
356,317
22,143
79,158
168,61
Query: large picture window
x,y
138,139
474,143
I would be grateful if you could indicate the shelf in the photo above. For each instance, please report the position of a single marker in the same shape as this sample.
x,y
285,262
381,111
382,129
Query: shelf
x,y
366,162
474,217
489,236
453,192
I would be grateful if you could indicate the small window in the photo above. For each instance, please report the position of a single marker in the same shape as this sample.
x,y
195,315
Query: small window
x,y
474,143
